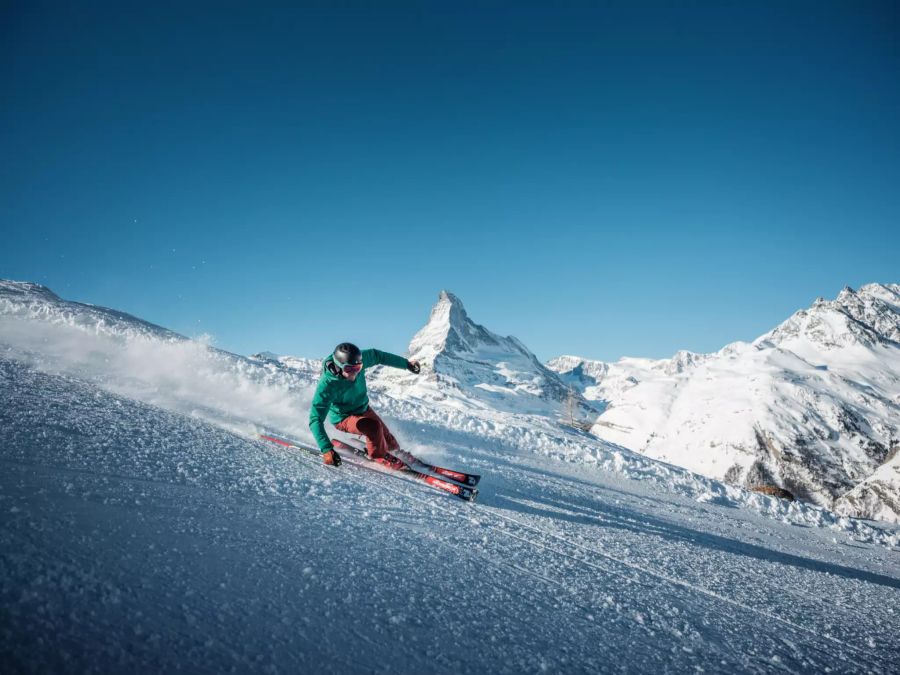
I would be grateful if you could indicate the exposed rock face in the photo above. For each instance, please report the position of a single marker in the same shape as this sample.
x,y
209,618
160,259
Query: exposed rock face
x,y
774,491
812,406
878,496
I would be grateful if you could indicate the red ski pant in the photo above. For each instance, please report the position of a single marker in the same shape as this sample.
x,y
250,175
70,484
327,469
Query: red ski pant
x,y
379,439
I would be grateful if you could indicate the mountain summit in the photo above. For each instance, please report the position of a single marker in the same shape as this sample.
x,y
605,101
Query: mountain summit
x,y
867,317
466,360
449,331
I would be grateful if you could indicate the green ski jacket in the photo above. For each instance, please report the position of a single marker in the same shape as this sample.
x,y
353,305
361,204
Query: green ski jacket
x,y
339,398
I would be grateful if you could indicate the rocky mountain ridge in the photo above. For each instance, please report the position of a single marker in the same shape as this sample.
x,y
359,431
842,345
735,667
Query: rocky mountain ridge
x,y
812,406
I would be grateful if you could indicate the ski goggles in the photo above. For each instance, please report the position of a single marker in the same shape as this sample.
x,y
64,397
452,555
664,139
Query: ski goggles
x,y
351,367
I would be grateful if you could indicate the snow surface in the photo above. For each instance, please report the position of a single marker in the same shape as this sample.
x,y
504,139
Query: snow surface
x,y
145,527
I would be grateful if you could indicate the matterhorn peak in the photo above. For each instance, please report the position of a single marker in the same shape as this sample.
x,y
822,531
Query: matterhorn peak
x,y
466,356
449,309
447,296
449,331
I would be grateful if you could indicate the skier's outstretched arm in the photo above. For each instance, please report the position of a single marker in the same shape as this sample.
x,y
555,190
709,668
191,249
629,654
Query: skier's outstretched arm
x,y
372,357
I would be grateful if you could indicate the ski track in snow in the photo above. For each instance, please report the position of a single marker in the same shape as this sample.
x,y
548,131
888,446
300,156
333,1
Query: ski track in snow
x,y
599,553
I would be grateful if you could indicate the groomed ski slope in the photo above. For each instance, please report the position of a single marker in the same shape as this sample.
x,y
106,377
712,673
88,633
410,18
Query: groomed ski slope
x,y
136,537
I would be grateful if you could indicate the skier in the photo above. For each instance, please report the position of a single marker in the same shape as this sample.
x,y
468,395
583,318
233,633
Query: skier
x,y
343,396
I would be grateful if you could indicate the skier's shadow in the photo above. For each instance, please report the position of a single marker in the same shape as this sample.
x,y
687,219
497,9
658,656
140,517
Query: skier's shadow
x,y
601,514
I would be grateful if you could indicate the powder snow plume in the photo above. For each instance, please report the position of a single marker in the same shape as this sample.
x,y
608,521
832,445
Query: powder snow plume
x,y
145,362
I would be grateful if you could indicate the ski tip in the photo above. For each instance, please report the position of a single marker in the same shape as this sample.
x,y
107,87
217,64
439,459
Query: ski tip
x,y
470,479
274,439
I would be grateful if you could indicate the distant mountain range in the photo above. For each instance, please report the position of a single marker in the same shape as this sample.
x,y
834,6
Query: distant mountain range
x,y
812,406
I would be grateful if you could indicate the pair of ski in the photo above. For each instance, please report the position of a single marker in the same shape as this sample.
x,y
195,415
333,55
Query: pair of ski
x,y
456,483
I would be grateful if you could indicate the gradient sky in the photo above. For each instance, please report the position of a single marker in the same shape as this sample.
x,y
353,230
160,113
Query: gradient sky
x,y
601,179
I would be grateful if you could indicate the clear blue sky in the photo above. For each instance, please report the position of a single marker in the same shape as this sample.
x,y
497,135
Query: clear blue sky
x,y
594,178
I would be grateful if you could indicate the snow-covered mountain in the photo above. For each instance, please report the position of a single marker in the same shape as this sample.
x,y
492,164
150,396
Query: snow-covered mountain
x,y
466,365
812,406
146,529
603,382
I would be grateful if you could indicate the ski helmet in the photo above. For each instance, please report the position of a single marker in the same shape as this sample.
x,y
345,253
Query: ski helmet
x,y
347,354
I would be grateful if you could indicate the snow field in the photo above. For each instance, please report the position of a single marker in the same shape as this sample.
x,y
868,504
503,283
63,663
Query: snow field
x,y
111,557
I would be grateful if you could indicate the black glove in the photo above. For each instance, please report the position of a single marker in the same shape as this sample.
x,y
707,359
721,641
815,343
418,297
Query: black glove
x,y
413,367
331,458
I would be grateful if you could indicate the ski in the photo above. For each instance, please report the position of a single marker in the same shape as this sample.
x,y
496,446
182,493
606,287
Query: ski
x,y
470,479
392,463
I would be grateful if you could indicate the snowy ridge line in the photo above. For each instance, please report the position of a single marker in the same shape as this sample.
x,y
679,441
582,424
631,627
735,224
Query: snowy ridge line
x,y
635,567
659,575
26,300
